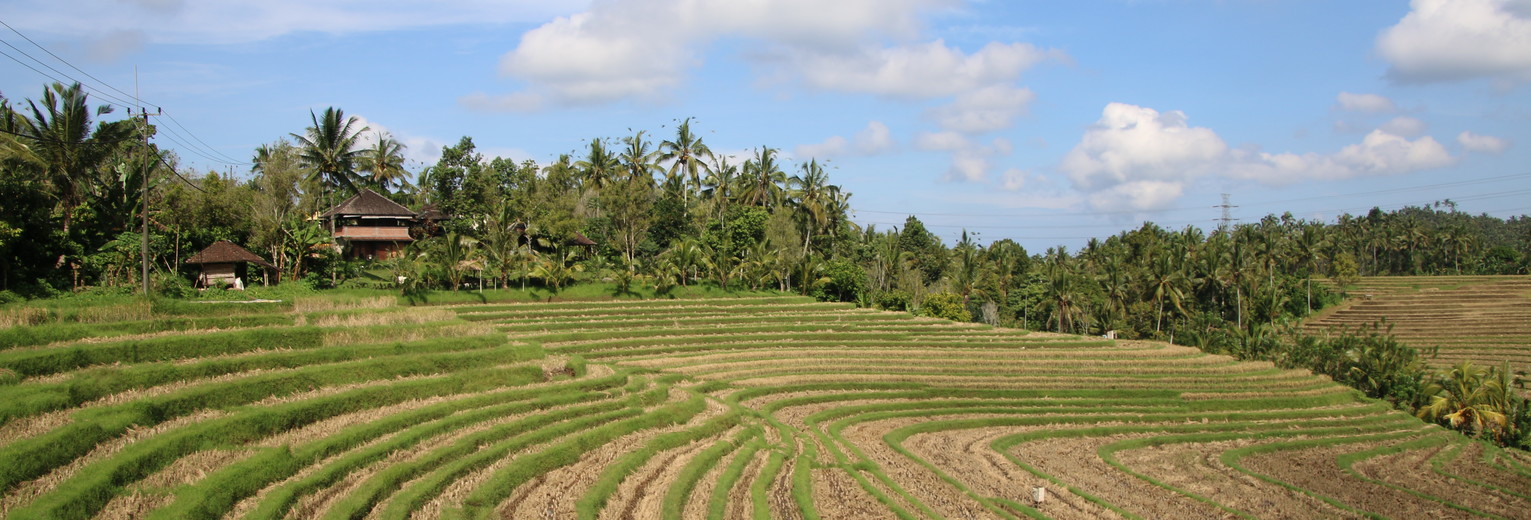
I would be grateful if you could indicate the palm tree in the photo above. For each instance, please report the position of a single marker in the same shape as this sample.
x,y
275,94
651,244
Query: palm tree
x,y
1470,398
58,137
720,186
763,179
385,161
599,168
328,149
685,154
1166,281
812,195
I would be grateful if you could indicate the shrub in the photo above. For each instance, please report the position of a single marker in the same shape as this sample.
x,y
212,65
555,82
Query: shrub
x,y
947,306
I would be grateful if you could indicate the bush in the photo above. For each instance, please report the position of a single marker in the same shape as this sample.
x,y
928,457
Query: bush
x,y
946,305
893,300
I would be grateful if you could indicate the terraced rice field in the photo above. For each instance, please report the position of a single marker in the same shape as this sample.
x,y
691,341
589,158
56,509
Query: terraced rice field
x,y
744,408
1483,319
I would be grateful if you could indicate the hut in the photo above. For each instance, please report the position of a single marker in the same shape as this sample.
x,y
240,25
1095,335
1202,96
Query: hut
x,y
584,243
223,264
371,225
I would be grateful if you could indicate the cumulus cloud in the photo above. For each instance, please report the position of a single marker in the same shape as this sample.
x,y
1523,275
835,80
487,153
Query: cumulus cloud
x,y
1445,40
1405,126
874,139
625,49
232,22
925,70
987,109
1131,143
1139,158
1482,143
1363,103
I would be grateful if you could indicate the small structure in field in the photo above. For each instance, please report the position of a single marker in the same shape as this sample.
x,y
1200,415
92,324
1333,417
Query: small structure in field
x,y
371,225
584,243
223,264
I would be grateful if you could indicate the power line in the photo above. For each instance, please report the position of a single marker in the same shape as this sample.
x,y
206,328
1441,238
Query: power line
x,y
189,141
66,62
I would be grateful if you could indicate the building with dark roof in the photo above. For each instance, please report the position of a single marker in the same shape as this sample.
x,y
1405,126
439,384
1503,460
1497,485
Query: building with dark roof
x,y
370,226
223,264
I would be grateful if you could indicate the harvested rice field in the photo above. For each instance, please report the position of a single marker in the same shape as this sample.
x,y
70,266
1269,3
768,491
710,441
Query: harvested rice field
x,y
773,407
1482,319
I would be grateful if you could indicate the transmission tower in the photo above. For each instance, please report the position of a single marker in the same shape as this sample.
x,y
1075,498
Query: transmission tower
x,y
1222,223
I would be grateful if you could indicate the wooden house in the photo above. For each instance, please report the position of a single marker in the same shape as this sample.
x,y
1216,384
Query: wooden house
x,y
223,264
370,226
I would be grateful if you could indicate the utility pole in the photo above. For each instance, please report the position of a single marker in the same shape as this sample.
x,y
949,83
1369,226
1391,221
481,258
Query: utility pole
x,y
143,131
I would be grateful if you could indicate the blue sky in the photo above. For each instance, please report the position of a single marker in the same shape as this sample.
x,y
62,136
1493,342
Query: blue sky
x,y
1045,122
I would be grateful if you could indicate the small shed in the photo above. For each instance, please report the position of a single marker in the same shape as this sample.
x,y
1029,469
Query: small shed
x,y
586,245
223,264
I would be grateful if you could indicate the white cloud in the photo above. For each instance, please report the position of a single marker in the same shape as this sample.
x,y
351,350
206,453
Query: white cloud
x,y
1131,143
1139,158
872,140
834,146
875,138
232,21
1444,40
1364,103
1404,126
1482,143
1141,195
987,109
925,70
626,49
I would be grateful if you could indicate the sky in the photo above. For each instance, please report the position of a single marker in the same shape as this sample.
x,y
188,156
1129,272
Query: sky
x,y
1040,121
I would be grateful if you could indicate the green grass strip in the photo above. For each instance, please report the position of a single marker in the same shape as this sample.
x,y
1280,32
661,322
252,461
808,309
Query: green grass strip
x,y
93,486
218,492
674,503
481,503
717,504
589,505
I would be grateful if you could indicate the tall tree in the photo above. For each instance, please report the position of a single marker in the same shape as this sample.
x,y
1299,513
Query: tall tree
x,y
329,149
686,154
58,134
763,179
384,162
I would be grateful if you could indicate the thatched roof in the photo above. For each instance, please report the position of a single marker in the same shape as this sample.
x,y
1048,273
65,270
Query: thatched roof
x,y
368,203
580,239
225,252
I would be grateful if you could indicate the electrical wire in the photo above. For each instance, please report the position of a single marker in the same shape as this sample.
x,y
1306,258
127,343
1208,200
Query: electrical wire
x,y
188,141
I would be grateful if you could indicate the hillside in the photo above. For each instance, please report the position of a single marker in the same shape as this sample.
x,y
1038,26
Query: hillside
x,y
1482,319
763,407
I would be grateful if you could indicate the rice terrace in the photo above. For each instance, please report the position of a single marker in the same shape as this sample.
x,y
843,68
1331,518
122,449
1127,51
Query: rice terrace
x,y
751,407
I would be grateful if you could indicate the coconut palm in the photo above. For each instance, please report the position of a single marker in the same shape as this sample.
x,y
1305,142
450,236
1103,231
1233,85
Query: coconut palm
x,y
329,149
57,136
1470,398
384,160
763,179
814,197
686,154
599,168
